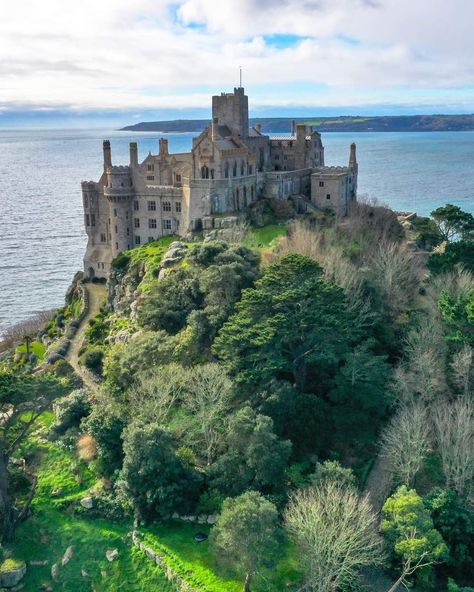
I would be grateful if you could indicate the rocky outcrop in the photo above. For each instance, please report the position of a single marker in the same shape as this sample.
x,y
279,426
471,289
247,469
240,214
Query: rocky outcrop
x,y
12,572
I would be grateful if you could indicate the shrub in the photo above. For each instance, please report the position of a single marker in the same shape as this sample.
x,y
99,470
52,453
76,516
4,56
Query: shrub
x,y
92,358
86,448
69,411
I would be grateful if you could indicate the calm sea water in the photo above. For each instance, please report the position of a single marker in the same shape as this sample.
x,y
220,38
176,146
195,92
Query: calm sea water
x,y
42,239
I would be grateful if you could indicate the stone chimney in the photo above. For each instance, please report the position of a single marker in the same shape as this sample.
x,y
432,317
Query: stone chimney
x,y
214,128
293,127
258,127
353,157
163,143
133,154
107,154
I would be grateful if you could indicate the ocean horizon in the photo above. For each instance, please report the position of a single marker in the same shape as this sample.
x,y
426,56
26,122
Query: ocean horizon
x,y
43,240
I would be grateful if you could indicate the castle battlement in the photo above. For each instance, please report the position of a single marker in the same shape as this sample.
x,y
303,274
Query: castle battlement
x,y
228,168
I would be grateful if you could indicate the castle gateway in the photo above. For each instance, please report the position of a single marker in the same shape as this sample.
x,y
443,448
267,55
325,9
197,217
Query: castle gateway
x,y
229,167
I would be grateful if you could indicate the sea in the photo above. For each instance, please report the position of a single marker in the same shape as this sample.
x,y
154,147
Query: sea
x,y
42,239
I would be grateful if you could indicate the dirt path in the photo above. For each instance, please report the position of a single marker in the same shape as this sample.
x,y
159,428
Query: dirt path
x,y
97,294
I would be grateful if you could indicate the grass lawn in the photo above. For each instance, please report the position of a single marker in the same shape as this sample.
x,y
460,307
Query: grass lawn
x,y
265,237
177,539
36,347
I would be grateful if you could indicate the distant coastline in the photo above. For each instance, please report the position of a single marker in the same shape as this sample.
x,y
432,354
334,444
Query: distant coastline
x,y
393,123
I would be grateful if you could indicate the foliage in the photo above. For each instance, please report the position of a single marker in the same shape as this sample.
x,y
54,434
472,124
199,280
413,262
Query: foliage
x,y
92,358
335,532
331,470
457,310
254,459
409,531
152,476
97,329
458,253
281,324
453,517
247,535
453,223
70,410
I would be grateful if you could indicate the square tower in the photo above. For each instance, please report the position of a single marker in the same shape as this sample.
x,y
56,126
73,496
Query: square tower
x,y
232,110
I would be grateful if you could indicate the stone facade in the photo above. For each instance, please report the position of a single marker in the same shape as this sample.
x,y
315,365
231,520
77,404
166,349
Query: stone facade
x,y
229,167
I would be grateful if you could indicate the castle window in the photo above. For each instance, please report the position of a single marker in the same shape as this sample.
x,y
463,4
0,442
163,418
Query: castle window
x,y
178,178
226,170
151,167
277,157
136,205
252,192
250,169
151,222
88,223
328,196
290,144
137,240
166,224
126,215
116,246
177,206
285,157
128,247
150,178
205,172
166,206
234,170
116,231
128,231
212,173
103,238
152,206
136,222
92,219
321,183
242,169
115,213
150,239
86,200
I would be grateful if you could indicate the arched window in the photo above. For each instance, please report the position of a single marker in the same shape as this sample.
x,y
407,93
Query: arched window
x,y
205,172
226,170
245,196
234,170
250,169
242,168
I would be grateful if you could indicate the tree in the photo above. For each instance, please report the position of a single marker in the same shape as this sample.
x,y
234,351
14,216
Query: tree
x,y
406,441
170,301
291,321
247,536
23,398
412,540
453,517
255,458
462,370
460,253
454,429
453,223
331,470
209,391
335,531
458,313
152,476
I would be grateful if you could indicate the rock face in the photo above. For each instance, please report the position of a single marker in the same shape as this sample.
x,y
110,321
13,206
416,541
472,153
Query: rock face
x,y
11,572
67,556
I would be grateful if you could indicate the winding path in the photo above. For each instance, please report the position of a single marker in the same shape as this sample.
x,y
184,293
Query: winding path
x,y
97,295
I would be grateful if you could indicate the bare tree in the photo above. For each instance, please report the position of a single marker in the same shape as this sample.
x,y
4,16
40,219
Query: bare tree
x,y
336,532
209,391
462,370
396,273
454,423
406,441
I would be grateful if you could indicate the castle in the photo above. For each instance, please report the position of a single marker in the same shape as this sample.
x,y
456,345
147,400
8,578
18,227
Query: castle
x,y
229,167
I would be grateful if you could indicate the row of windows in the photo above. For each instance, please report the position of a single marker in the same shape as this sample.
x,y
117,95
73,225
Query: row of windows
x,y
165,206
165,224
90,220
235,168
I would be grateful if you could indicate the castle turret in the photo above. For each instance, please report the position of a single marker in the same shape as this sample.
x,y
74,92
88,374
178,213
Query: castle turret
x,y
133,154
107,154
119,192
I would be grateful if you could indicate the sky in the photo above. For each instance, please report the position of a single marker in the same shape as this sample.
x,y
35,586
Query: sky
x,y
115,62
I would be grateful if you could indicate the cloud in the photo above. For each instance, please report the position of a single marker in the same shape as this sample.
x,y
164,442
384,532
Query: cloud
x,y
117,54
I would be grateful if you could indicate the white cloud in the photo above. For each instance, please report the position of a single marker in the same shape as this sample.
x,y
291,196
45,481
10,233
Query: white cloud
x,y
159,53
